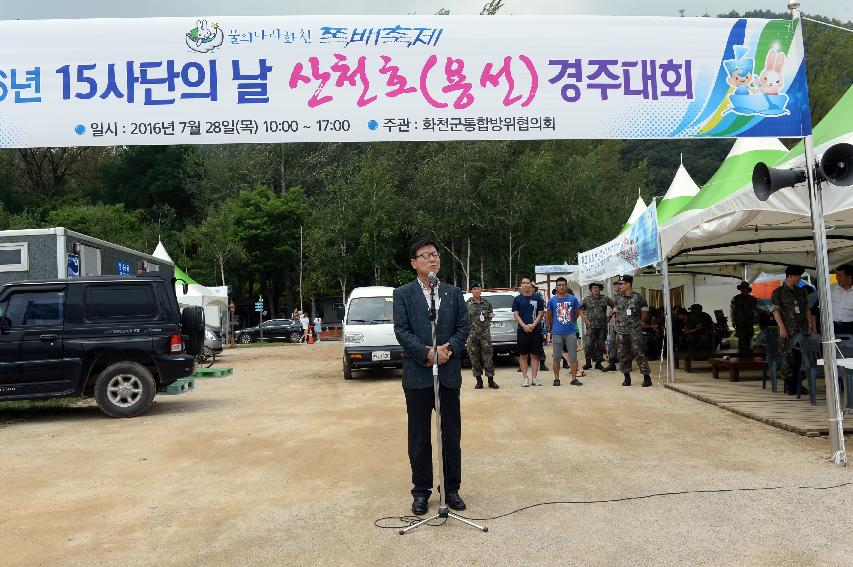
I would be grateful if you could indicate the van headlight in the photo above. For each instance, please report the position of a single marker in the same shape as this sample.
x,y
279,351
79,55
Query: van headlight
x,y
354,338
209,335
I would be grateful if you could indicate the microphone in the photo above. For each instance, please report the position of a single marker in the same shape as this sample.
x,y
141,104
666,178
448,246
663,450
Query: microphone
x,y
433,279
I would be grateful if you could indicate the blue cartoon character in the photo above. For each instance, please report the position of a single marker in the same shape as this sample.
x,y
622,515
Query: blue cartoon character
x,y
740,70
756,96
203,38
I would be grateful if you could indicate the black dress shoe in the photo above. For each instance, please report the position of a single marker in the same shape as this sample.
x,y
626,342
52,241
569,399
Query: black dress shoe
x,y
455,501
419,505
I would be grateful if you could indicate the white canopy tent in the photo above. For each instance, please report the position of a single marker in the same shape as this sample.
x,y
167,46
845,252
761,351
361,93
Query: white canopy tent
x,y
213,300
639,207
734,227
675,201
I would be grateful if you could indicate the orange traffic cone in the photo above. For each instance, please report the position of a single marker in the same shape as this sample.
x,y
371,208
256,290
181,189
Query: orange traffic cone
x,y
335,332
310,338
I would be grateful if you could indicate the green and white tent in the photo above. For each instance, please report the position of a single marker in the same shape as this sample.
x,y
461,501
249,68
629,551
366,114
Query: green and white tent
x,y
639,207
214,301
730,229
675,200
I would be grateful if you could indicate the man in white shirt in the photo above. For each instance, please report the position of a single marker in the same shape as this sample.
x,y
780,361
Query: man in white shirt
x,y
841,295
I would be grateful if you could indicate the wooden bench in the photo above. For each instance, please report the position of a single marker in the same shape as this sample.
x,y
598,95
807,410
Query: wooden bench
x,y
688,357
735,364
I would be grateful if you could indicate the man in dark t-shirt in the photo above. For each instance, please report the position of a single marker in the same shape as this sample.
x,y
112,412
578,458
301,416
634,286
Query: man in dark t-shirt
x,y
528,308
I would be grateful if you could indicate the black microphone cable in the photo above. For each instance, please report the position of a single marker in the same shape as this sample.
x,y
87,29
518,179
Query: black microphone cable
x,y
406,521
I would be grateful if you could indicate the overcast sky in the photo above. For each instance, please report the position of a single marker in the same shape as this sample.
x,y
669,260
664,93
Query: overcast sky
x,y
40,9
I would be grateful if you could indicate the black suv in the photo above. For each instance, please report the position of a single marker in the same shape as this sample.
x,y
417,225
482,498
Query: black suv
x,y
274,330
120,339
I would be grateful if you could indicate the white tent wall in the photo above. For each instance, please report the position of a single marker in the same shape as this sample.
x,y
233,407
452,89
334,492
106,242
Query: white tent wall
x,y
215,306
712,292
214,300
547,282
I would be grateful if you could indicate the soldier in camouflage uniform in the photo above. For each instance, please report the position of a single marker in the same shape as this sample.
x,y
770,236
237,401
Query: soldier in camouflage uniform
x,y
744,308
594,313
480,314
790,308
631,307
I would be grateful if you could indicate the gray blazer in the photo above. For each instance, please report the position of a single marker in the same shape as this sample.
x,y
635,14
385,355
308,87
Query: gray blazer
x,y
414,333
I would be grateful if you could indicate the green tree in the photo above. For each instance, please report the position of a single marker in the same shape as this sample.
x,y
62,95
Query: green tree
x,y
266,227
108,222
217,239
143,176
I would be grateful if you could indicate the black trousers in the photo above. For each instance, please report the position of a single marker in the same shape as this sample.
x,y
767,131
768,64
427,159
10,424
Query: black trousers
x,y
419,406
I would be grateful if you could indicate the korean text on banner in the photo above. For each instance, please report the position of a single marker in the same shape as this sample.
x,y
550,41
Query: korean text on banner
x,y
637,248
214,80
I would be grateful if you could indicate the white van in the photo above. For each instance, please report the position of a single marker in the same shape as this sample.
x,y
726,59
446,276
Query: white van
x,y
369,340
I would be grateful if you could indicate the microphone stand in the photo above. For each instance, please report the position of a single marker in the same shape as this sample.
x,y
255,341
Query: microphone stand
x,y
443,511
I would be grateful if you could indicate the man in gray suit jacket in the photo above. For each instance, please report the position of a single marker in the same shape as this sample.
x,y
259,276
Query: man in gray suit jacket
x,y
414,333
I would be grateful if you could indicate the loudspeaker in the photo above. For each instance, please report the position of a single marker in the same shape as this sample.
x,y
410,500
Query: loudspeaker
x,y
836,165
766,180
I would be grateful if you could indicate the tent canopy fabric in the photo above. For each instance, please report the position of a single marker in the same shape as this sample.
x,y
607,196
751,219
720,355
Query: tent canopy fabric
x,y
777,232
160,252
181,275
214,302
680,192
733,174
639,207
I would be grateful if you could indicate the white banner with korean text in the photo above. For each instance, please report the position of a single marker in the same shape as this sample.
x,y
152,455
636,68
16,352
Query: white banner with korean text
x,y
213,80
636,248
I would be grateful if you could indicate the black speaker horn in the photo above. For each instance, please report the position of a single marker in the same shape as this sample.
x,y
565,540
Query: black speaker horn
x,y
836,165
766,180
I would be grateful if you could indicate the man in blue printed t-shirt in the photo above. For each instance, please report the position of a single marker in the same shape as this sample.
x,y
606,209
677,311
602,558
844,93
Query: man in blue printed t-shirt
x,y
563,309
528,308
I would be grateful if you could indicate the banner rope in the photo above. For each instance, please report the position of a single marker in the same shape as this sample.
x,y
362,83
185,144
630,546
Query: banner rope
x,y
828,25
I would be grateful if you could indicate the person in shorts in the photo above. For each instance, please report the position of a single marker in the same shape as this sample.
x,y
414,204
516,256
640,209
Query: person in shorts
x,y
562,314
529,309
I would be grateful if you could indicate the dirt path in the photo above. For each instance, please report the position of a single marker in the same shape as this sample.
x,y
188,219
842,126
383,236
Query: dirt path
x,y
285,463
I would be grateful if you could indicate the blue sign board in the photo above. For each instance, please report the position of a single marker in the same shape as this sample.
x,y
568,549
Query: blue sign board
x,y
73,265
124,268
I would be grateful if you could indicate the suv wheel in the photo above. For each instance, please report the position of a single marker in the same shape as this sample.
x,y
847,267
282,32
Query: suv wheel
x,y
192,326
245,339
125,389
295,337
347,369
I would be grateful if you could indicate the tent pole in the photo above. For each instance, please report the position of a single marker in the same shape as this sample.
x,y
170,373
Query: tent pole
x,y
836,423
667,310
830,374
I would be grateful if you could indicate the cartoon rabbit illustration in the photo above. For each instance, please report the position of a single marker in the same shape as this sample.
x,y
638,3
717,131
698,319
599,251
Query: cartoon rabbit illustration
x,y
770,81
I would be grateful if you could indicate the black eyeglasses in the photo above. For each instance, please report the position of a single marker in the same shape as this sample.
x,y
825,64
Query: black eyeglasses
x,y
429,255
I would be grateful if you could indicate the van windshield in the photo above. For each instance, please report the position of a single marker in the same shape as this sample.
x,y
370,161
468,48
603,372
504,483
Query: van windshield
x,y
370,311
503,301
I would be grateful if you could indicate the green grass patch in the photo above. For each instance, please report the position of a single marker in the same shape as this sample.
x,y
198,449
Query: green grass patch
x,y
10,411
55,403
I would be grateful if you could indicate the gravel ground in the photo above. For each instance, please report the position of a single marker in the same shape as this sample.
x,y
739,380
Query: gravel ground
x,y
285,463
